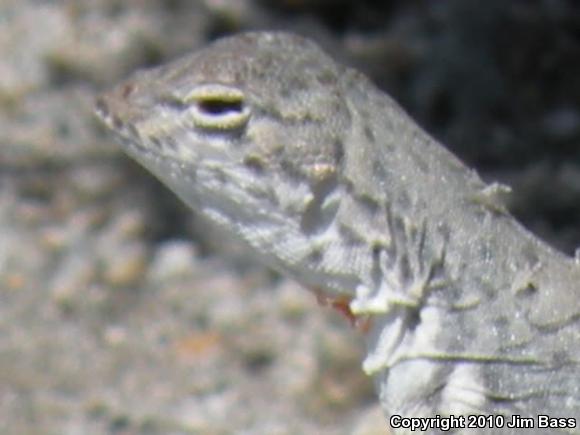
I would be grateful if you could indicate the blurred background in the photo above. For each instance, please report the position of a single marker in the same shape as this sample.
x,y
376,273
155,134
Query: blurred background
x,y
121,314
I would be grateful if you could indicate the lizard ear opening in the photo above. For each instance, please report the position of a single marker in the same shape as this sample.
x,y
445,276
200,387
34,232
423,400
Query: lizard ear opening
x,y
218,107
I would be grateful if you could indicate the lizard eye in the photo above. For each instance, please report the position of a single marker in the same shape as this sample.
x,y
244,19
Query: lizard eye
x,y
218,107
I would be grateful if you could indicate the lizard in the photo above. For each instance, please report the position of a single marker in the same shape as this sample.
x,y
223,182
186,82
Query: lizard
x,y
324,177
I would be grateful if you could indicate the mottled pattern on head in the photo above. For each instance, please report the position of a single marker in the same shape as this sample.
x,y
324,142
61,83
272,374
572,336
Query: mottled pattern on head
x,y
284,82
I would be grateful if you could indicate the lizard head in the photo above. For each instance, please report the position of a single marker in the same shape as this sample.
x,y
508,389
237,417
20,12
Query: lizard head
x,y
247,131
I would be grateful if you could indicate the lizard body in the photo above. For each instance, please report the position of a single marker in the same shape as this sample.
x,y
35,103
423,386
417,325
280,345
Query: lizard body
x,y
326,179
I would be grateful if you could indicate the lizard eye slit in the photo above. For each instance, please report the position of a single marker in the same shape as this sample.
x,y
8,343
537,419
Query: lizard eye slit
x,y
218,108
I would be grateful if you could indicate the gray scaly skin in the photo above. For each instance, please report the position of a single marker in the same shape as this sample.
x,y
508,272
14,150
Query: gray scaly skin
x,y
326,179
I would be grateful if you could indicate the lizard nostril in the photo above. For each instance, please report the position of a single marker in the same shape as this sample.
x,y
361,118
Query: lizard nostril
x,y
127,90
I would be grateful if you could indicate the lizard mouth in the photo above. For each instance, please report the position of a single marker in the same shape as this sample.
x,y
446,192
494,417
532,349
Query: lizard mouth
x,y
123,129
127,132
